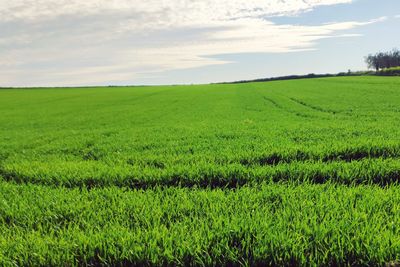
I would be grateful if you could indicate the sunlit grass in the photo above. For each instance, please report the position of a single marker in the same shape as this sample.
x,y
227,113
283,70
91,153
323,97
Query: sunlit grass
x,y
302,172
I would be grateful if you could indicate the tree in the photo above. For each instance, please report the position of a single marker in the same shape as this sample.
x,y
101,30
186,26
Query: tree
x,y
372,62
383,60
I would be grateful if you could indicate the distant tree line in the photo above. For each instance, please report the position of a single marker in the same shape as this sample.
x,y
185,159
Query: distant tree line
x,y
383,60
385,64
307,76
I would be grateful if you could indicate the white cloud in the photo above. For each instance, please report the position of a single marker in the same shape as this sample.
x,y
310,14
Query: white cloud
x,y
59,42
173,12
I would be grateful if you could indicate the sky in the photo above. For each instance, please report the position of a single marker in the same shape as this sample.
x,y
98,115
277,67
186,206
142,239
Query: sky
x,y
144,42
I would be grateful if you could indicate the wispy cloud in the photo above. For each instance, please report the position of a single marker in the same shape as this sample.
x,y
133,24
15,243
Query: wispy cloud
x,y
167,12
45,42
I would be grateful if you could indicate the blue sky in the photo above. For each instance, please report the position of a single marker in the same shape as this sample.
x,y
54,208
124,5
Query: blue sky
x,y
124,42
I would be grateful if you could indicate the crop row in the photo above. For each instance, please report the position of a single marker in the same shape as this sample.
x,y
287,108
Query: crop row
x,y
95,174
270,224
240,150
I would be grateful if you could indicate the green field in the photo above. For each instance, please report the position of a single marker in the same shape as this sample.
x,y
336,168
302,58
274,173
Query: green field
x,y
301,172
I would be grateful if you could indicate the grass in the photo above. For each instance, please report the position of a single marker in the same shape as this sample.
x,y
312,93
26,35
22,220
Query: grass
x,y
270,224
301,172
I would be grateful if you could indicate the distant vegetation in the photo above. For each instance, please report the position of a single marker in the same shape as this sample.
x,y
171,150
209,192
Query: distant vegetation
x,y
395,71
307,76
384,64
383,60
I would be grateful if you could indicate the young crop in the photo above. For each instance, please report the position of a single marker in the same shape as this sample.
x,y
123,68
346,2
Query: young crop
x,y
269,224
300,172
